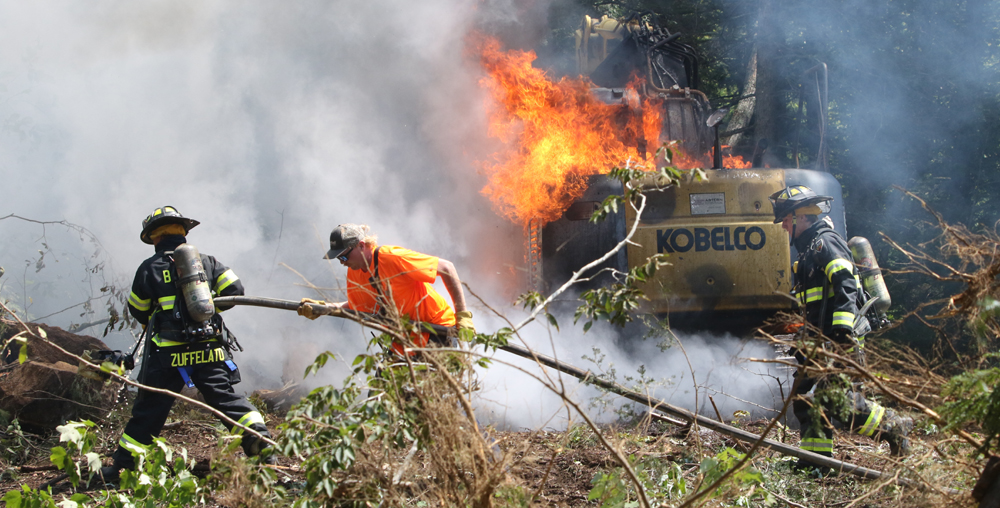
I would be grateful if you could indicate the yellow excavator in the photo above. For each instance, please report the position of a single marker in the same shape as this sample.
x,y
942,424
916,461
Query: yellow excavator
x,y
730,265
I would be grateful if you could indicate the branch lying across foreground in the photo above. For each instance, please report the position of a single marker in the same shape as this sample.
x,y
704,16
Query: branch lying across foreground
x,y
84,362
733,432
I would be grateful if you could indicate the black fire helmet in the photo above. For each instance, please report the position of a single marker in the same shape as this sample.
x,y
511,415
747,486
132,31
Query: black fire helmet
x,y
796,197
161,217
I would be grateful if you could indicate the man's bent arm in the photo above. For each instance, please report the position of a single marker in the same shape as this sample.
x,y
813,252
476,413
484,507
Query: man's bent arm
x,y
449,275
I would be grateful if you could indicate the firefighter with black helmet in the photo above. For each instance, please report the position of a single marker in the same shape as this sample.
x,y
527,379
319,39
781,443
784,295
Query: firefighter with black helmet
x,y
186,341
829,290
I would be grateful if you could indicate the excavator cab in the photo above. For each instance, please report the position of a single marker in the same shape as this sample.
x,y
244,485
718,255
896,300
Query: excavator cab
x,y
729,264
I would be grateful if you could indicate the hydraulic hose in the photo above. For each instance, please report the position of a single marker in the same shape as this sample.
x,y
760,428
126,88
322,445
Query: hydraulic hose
x,y
587,377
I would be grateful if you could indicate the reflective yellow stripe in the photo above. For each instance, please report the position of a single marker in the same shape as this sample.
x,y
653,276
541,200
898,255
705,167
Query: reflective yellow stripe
x,y
224,280
163,342
132,445
160,341
813,294
817,444
843,318
167,302
138,303
874,418
837,265
249,419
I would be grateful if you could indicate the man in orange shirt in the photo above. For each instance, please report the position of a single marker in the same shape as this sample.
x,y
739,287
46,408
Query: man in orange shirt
x,y
394,281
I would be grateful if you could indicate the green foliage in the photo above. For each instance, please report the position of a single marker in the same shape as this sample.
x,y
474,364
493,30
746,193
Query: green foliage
x,y
833,393
579,436
330,426
79,444
162,479
20,341
637,180
662,480
15,447
618,302
665,480
492,341
531,300
713,468
319,363
237,481
987,319
512,496
973,397
31,498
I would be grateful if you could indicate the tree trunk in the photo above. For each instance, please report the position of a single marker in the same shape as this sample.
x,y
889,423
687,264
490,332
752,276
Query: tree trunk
x,y
745,108
987,489
767,54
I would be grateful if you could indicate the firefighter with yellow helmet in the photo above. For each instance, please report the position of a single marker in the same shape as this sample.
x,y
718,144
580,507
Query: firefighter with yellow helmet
x,y
829,290
186,343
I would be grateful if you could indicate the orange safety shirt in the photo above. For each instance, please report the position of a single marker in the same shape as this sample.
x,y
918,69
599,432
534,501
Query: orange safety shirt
x,y
407,277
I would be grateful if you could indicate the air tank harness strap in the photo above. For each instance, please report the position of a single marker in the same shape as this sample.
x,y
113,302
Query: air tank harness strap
x,y
186,375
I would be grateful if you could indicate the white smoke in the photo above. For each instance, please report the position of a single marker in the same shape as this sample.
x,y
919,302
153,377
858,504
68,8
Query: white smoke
x,y
271,123
690,372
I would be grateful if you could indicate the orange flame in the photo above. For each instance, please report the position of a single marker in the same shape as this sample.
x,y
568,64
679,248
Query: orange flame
x,y
556,134
683,160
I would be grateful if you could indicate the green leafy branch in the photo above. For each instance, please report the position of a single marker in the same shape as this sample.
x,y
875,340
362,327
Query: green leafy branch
x,y
616,303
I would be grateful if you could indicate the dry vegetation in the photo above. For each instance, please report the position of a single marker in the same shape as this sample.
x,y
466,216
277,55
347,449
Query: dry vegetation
x,y
463,465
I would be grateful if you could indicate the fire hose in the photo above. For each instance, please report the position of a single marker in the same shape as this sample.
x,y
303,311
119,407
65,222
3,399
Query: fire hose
x,y
587,377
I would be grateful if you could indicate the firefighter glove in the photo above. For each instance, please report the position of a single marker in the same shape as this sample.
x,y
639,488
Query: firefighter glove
x,y
842,336
308,308
463,320
855,347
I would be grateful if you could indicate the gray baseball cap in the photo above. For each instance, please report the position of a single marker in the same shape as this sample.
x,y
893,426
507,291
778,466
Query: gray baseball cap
x,y
344,238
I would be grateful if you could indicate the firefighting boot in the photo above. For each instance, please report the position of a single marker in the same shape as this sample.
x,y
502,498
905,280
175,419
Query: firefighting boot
x,y
810,468
112,473
256,447
894,430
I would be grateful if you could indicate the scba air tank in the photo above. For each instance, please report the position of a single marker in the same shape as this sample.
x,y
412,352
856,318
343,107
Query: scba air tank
x,y
871,274
194,283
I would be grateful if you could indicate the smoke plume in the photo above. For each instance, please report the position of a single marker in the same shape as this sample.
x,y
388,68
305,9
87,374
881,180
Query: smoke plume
x,y
270,123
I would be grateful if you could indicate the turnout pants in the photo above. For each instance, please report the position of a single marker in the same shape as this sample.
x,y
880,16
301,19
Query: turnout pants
x,y
863,416
214,379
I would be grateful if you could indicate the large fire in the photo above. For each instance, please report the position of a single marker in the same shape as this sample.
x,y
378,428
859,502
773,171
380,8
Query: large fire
x,y
557,134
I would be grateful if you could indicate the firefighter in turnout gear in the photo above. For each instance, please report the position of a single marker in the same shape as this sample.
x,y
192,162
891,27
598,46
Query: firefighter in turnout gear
x,y
829,289
179,350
